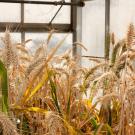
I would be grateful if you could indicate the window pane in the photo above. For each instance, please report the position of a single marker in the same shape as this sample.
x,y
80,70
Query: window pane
x,y
44,13
9,12
39,38
122,14
93,27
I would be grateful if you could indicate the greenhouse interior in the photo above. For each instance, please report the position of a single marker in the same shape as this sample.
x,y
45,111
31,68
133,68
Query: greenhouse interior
x,y
67,67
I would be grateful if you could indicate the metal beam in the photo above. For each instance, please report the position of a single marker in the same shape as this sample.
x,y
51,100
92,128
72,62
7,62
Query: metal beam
x,y
107,28
74,27
22,22
93,57
55,3
35,27
55,14
76,23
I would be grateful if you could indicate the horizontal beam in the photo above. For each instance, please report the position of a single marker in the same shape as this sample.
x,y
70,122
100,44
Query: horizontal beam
x,y
35,27
55,3
93,57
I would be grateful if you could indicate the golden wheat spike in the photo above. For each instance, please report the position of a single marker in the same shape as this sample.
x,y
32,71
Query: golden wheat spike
x,y
50,36
25,59
80,45
40,51
113,39
6,125
130,34
22,49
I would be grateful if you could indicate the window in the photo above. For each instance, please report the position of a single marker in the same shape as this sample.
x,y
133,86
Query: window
x,y
93,27
44,14
39,38
10,12
29,18
122,14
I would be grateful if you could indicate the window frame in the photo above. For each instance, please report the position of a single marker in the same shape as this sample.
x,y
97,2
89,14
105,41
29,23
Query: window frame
x,y
76,20
43,27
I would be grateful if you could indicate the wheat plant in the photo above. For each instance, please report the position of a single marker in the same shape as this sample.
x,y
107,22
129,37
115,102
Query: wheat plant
x,y
46,91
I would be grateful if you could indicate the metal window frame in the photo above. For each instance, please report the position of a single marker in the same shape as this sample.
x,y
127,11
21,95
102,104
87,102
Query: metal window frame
x,y
55,3
23,27
33,27
107,29
76,22
22,22
107,26
76,16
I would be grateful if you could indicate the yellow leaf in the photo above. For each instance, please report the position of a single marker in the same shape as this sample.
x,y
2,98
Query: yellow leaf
x,y
40,84
87,102
31,109
36,109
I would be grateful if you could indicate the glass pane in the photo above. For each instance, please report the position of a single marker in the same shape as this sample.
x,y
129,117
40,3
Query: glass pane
x,y
39,38
44,13
93,27
9,12
122,14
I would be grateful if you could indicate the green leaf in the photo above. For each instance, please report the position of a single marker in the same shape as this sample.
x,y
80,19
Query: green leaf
x,y
94,123
69,102
107,46
54,93
4,87
92,90
114,53
109,129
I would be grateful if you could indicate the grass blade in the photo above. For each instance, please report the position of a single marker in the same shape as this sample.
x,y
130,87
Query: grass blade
x,y
4,86
54,94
